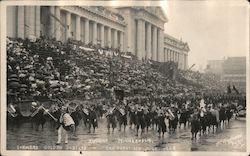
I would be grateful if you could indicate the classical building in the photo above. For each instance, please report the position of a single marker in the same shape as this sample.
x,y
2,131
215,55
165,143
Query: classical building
x,y
139,30
234,72
175,50
214,67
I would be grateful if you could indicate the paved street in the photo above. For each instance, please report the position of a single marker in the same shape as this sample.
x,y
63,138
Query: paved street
x,y
230,138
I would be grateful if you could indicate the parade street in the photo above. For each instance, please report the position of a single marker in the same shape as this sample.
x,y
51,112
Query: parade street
x,y
230,138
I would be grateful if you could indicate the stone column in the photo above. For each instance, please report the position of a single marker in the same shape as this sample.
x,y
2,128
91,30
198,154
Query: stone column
x,y
57,25
26,21
168,54
109,37
154,52
160,56
20,22
115,38
37,23
102,36
94,33
121,41
68,24
171,56
32,21
148,46
174,56
52,21
140,39
78,28
86,31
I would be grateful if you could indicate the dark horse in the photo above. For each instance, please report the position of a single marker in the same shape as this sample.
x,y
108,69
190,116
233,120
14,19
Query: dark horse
x,y
38,119
14,119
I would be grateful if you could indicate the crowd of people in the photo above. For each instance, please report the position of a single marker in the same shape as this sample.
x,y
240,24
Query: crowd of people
x,y
128,89
46,67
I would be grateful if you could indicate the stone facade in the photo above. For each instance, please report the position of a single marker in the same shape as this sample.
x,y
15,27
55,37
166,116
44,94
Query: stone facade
x,y
176,50
139,30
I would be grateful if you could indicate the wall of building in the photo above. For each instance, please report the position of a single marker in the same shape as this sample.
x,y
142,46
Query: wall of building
x,y
138,30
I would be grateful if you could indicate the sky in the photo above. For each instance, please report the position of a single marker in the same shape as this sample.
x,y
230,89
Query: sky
x,y
212,29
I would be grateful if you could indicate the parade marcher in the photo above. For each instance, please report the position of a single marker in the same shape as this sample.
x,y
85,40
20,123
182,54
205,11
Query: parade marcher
x,y
183,117
66,124
162,128
37,115
92,119
111,120
147,117
132,120
203,119
140,121
222,114
173,119
195,124
121,115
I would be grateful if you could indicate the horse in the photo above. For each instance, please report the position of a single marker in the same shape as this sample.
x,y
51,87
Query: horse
x,y
38,119
14,120
213,119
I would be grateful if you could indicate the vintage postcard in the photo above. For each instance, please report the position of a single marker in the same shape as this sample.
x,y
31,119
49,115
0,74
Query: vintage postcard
x,y
125,77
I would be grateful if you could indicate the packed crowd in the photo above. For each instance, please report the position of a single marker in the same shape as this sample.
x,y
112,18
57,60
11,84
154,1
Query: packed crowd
x,y
50,68
208,81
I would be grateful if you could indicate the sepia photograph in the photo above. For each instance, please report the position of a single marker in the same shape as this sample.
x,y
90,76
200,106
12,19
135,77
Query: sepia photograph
x,y
134,76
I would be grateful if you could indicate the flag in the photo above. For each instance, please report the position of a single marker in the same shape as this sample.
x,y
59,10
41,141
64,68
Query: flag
x,y
236,90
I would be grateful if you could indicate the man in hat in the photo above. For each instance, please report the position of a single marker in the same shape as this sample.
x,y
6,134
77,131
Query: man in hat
x,y
66,124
